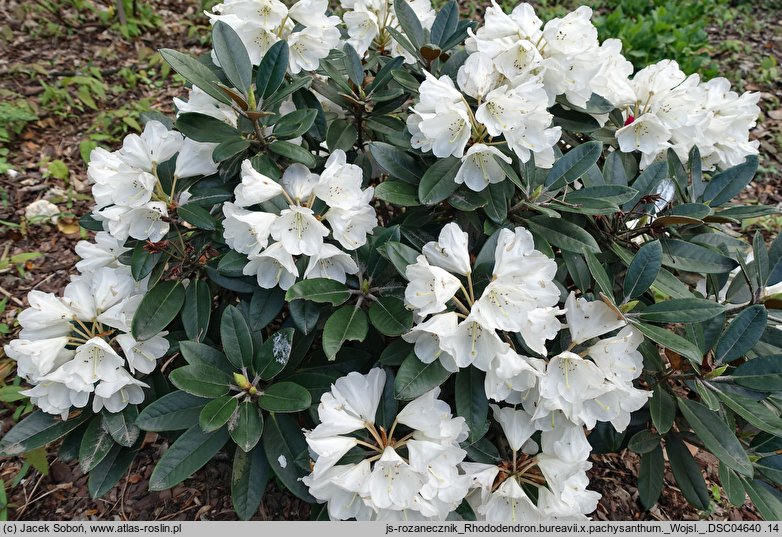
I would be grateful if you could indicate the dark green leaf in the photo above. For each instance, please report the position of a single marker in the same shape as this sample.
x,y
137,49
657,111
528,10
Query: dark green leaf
x,y
201,380
285,397
384,75
236,338
390,316
272,70
397,193
304,314
764,497
320,290
754,412
687,472
95,445
353,65
249,476
197,216
573,164
295,123
643,269
197,309
203,128
445,23
198,353
564,234
232,56
670,340
273,355
342,134
682,310
437,182
409,22
142,262
724,186
265,305
731,482
217,412
471,401
122,425
662,407
718,438
397,163
246,429
185,456
283,442
195,72
111,469
742,334
690,257
763,373
415,378
348,323
172,412
296,153
644,441
229,149
651,477
158,308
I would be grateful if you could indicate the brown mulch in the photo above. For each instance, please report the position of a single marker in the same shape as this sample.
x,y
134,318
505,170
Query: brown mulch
x,y
62,495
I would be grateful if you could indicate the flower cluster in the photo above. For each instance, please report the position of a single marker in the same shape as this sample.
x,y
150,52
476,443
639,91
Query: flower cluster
x,y
521,298
672,110
367,22
414,476
310,33
130,199
78,345
518,67
556,469
287,217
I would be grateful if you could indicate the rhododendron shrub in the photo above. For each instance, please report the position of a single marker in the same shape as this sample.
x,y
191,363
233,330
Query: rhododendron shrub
x,y
417,268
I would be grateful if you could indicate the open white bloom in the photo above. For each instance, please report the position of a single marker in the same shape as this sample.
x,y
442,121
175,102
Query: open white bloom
x,y
473,343
478,75
440,122
587,320
299,231
200,102
416,476
247,232
273,266
78,346
104,252
480,168
330,262
195,158
430,287
154,145
450,252
427,335
255,187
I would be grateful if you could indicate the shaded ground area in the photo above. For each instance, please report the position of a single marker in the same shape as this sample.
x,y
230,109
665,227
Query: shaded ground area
x,y
70,77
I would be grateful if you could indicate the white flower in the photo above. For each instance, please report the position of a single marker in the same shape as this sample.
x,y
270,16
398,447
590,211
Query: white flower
x,y
517,425
247,232
478,76
480,168
143,223
587,320
156,144
511,375
430,287
200,102
350,227
393,483
48,316
298,231
646,134
473,343
431,419
308,46
195,158
330,262
142,355
426,337
567,36
35,358
440,122
114,395
104,252
618,356
571,381
299,182
256,187
273,266
450,252
509,503
340,183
